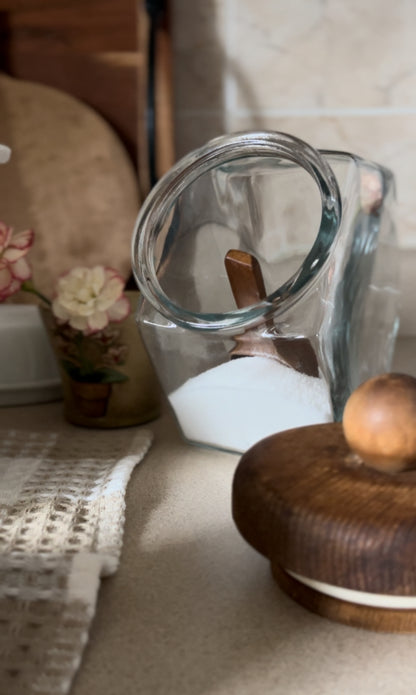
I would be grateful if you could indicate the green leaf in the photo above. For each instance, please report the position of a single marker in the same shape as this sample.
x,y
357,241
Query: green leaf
x,y
73,370
112,376
104,375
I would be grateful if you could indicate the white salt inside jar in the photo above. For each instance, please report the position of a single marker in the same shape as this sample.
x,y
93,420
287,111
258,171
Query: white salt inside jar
x,y
236,404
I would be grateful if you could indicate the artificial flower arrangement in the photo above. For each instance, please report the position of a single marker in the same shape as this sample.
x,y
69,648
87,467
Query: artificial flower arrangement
x,y
86,302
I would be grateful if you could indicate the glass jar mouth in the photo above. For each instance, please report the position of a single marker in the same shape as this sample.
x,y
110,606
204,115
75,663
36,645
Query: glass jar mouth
x,y
216,153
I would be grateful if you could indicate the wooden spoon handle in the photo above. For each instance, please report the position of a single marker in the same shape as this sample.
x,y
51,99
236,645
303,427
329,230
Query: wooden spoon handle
x,y
247,285
245,277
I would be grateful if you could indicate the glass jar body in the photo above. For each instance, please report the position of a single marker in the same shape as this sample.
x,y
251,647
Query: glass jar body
x,y
329,281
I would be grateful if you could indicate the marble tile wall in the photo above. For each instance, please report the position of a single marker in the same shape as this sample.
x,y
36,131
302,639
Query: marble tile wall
x,y
339,73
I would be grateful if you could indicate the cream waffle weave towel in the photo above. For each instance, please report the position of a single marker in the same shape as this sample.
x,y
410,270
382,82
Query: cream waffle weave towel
x,y
61,525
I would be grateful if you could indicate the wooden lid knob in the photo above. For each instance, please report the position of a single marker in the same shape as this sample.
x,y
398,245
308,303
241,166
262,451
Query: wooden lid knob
x,y
380,422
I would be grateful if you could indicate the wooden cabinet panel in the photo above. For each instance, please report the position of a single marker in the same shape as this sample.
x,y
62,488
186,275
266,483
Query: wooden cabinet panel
x,y
80,25
95,50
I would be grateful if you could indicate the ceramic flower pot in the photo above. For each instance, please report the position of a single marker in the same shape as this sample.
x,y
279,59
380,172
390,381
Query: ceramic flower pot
x,y
107,378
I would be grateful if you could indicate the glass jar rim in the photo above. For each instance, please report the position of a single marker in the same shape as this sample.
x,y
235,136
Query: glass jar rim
x,y
216,153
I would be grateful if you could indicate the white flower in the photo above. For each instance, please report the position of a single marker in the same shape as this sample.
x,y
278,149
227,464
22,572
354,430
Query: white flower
x,y
89,298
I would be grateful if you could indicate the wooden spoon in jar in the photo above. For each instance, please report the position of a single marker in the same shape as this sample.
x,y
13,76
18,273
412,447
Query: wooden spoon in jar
x,y
247,285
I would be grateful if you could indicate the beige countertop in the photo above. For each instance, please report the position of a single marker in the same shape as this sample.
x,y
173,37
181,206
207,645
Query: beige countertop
x,y
193,610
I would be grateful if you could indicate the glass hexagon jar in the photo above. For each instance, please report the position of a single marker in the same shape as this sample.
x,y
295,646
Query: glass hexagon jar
x,y
268,278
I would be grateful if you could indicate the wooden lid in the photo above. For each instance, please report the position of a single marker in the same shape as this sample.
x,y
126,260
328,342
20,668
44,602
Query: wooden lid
x,y
312,507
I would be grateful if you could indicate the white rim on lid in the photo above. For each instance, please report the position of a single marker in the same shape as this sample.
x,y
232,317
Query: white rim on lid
x,y
363,598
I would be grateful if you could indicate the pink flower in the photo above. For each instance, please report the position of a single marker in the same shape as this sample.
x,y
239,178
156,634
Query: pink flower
x,y
14,268
89,298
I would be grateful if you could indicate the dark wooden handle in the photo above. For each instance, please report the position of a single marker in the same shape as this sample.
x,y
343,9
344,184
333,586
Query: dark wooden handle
x,y
247,285
245,277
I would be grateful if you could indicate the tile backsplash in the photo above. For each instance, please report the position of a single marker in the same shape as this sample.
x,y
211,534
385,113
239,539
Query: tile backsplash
x,y
340,74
